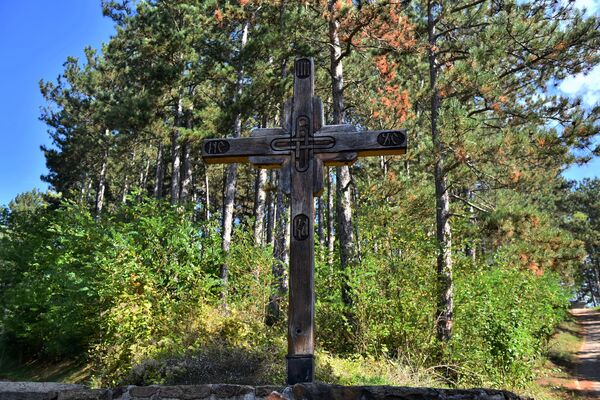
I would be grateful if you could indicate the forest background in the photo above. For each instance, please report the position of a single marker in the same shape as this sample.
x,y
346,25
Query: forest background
x,y
455,261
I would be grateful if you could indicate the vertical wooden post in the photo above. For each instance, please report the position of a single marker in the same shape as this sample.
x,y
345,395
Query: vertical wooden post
x,y
300,358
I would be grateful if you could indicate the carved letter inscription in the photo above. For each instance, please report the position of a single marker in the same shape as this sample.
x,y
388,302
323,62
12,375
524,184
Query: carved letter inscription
x,y
216,146
300,227
391,138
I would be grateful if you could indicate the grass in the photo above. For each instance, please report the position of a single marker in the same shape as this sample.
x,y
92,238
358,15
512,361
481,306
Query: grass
x,y
557,373
67,371
368,371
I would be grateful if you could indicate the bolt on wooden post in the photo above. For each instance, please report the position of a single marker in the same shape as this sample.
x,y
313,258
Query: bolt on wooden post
x,y
301,147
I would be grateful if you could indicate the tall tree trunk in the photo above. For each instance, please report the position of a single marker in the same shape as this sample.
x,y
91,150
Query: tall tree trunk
x,y
187,177
596,286
330,218
159,176
144,175
260,200
125,190
444,316
231,175
470,251
126,183
280,254
355,200
206,196
271,208
320,223
102,177
343,178
176,154
384,166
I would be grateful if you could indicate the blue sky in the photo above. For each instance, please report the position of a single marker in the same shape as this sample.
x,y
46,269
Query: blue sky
x,y
36,37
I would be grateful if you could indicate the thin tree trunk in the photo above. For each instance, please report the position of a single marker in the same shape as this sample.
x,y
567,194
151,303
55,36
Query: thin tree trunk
x,y
102,178
125,191
206,196
271,208
176,154
88,189
280,251
442,199
469,248
227,223
596,286
330,218
320,223
260,200
187,177
231,176
355,200
144,175
343,178
160,173
384,166
86,186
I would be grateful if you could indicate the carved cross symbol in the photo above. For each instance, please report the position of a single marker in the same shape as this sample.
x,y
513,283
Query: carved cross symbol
x,y
301,148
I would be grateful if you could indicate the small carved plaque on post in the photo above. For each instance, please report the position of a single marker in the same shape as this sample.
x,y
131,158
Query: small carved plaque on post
x,y
300,227
218,146
391,138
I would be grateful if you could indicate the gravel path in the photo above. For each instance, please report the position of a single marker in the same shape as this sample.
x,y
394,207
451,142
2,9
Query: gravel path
x,y
588,368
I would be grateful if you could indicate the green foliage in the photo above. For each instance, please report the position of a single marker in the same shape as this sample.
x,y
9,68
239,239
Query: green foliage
x,y
50,299
138,290
503,319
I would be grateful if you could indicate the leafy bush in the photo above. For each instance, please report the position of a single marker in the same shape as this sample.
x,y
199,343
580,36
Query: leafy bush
x,y
503,318
139,291
51,299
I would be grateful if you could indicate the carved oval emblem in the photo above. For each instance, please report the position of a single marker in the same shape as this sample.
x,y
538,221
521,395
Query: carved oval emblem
x,y
391,138
300,227
302,68
218,146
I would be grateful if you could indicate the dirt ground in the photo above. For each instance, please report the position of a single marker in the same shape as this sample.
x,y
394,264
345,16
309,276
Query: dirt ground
x,y
588,366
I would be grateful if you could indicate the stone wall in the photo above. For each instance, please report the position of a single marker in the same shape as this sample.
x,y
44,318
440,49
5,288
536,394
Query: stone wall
x,y
54,391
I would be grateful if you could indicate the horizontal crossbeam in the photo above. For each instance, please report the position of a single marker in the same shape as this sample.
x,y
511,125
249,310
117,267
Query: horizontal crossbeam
x,y
265,148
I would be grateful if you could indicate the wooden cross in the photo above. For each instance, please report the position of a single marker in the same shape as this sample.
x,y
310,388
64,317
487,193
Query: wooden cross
x,y
300,148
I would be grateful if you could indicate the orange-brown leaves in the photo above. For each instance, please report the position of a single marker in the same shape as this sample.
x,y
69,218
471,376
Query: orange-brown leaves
x,y
391,29
535,268
395,101
391,96
461,154
515,175
531,264
541,141
218,15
